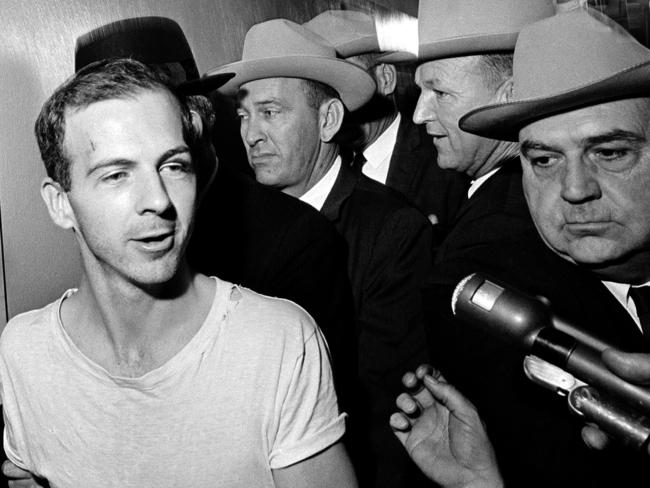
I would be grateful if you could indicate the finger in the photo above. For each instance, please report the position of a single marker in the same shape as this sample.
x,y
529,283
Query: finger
x,y
10,470
634,367
433,218
408,405
422,395
400,422
594,437
451,398
412,384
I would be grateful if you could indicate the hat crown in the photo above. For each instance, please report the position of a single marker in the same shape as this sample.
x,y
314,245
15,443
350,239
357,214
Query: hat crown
x,y
349,31
151,40
570,50
465,27
281,38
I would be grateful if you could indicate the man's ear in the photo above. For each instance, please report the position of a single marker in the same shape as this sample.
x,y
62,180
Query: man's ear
x,y
505,91
58,205
330,116
386,78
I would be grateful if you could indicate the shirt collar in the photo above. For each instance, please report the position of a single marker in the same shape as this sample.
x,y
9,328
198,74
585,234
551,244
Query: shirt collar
x,y
382,148
318,193
475,184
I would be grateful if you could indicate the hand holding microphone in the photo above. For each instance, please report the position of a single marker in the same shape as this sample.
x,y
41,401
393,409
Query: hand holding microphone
x,y
615,405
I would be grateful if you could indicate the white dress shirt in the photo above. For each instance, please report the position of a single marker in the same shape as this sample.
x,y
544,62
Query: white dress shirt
x,y
318,193
378,154
475,184
621,292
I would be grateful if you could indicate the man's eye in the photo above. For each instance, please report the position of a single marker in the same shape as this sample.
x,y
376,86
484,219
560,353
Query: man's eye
x,y
114,177
541,160
611,154
440,94
269,114
242,115
176,168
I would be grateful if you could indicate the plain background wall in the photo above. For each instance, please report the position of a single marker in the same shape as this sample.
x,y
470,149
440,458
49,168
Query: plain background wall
x,y
37,54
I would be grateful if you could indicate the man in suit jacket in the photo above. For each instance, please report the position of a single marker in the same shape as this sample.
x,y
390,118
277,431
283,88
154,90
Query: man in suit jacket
x,y
292,93
582,116
388,147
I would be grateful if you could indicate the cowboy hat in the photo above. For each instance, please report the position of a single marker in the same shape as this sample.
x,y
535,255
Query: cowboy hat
x,y
572,60
151,40
449,28
281,48
353,33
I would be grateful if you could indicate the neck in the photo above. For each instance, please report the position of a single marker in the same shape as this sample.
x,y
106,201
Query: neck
x,y
327,154
372,130
130,329
496,155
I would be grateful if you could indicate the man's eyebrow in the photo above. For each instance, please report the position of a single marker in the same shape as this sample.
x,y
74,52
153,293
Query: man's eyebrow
x,y
611,136
614,136
128,163
530,145
182,149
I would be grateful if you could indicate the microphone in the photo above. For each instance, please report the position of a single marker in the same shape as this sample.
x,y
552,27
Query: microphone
x,y
529,323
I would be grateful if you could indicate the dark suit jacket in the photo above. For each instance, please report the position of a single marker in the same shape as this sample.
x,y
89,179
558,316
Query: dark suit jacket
x,y
388,258
279,246
413,171
536,439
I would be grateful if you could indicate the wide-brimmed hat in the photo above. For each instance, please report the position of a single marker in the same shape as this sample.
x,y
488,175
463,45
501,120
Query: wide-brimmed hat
x,y
280,48
450,28
150,40
352,33
572,60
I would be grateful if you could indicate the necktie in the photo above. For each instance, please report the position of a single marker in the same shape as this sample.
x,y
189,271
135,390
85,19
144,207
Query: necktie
x,y
358,161
641,297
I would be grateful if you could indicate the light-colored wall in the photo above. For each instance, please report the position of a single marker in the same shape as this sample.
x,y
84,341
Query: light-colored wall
x,y
36,54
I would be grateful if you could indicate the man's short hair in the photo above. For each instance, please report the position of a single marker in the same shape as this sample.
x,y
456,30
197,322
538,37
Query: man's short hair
x,y
100,81
495,68
317,93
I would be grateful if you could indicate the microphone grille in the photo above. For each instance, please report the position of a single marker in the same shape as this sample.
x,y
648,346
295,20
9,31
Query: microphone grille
x,y
458,290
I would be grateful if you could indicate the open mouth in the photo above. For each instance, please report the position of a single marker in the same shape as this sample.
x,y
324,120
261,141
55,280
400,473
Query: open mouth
x,y
156,243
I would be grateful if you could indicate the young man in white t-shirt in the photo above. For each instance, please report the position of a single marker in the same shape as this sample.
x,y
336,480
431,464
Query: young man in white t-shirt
x,y
150,374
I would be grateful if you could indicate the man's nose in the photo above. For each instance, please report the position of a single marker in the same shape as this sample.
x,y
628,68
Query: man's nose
x,y
251,131
424,111
153,196
579,182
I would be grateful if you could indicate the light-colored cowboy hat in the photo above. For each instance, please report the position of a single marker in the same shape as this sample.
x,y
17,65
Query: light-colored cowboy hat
x,y
281,48
151,40
353,33
572,60
450,28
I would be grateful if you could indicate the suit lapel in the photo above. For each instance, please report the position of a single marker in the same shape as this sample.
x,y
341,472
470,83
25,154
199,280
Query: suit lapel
x,y
341,191
403,168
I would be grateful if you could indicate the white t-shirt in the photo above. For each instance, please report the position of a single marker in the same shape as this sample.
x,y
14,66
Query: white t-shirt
x,y
252,391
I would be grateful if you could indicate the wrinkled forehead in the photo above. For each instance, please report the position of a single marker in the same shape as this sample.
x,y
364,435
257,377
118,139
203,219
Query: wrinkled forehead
x,y
625,117
264,89
447,69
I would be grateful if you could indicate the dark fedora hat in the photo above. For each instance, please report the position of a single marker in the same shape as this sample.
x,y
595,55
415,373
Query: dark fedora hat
x,y
156,41
572,60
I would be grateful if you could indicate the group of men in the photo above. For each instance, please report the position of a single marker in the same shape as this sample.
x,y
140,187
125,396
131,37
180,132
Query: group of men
x,y
152,373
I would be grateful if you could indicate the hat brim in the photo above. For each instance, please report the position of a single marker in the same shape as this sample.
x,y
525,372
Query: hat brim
x,y
352,83
203,86
504,120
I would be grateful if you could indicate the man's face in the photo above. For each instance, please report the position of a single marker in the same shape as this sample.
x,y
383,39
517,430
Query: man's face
x,y
133,187
450,88
586,177
280,132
